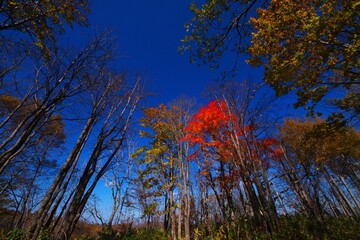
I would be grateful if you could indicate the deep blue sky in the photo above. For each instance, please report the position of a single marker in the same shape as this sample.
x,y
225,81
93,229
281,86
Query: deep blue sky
x,y
148,34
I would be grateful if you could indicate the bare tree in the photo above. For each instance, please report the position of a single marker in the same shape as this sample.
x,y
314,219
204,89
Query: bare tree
x,y
113,106
53,84
119,181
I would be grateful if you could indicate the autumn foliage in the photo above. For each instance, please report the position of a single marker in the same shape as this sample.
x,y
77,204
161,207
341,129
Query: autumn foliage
x,y
205,126
215,130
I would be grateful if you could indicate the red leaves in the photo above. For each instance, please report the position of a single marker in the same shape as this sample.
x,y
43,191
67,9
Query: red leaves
x,y
271,147
208,123
211,129
224,149
214,130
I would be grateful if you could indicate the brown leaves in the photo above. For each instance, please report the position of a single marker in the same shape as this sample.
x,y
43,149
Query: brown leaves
x,y
314,142
8,104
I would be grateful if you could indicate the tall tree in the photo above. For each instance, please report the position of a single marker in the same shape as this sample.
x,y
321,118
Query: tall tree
x,y
165,162
113,104
229,154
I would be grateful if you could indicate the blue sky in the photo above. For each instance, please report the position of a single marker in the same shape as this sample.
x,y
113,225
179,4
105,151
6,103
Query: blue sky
x,y
148,34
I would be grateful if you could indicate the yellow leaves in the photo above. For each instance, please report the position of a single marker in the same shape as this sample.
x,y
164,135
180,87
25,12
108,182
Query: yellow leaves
x,y
163,125
143,133
356,4
42,19
157,150
12,3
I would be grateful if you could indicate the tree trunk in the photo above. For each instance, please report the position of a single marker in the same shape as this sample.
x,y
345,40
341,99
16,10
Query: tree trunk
x,y
57,184
341,197
350,192
172,215
187,207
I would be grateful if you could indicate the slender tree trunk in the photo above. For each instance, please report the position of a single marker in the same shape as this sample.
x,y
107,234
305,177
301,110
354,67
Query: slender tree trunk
x,y
172,215
167,213
180,215
187,215
350,192
301,191
341,197
181,192
57,184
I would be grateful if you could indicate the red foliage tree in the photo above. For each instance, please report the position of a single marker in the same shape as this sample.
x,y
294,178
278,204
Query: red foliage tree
x,y
229,153
214,130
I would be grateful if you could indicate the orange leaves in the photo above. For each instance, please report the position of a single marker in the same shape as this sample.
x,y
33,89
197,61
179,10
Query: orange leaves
x,y
210,130
160,121
205,126
314,142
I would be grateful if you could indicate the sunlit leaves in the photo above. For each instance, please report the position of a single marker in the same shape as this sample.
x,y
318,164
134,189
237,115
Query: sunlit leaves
x,y
215,130
162,127
308,46
209,128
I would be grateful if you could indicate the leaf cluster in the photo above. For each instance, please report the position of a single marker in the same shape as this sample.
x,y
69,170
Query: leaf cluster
x,y
41,20
308,47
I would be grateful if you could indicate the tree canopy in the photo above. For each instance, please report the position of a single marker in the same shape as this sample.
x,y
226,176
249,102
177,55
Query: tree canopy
x,y
310,47
42,19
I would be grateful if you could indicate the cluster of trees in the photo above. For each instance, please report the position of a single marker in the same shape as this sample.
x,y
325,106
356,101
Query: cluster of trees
x,y
48,92
306,166
216,171
242,168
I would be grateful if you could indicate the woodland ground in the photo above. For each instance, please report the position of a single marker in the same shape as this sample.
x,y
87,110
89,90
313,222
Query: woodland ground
x,y
293,227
